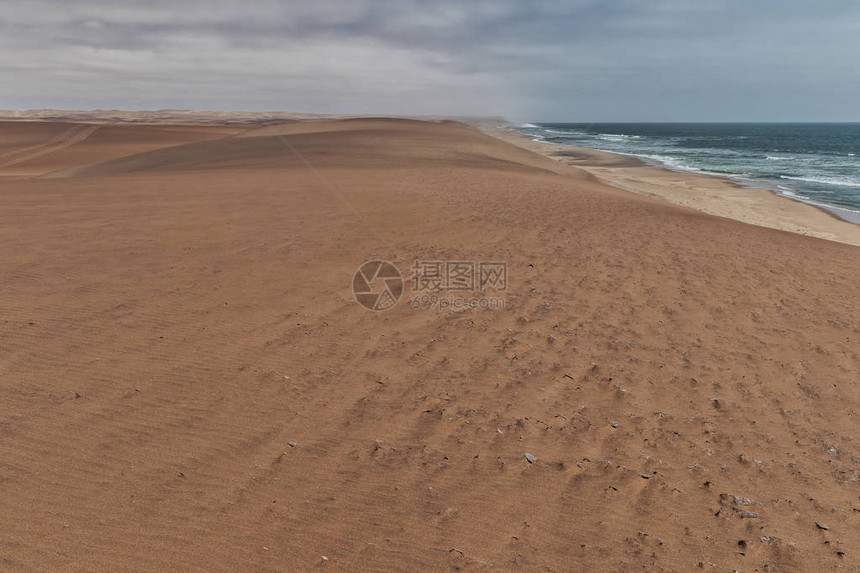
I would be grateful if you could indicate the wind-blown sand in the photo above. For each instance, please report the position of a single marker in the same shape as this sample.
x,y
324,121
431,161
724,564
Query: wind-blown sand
x,y
187,383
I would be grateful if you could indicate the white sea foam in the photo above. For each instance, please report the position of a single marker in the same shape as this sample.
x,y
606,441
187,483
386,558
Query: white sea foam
x,y
841,211
783,190
527,125
616,136
825,180
670,162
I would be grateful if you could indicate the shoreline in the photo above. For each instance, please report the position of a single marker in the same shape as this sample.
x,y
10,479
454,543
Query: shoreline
x,y
840,213
712,194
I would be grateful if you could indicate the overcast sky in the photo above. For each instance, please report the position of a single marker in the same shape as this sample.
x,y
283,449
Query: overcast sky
x,y
574,60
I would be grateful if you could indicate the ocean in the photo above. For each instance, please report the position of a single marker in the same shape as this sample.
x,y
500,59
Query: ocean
x,y
818,163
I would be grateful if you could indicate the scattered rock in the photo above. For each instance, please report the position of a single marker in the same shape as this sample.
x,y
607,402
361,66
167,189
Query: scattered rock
x,y
292,444
550,338
530,457
737,500
820,525
749,514
614,424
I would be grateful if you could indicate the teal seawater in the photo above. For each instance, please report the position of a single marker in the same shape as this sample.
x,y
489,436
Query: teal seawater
x,y
814,162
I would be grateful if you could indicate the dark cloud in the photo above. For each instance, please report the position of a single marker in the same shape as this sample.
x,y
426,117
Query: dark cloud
x,y
574,59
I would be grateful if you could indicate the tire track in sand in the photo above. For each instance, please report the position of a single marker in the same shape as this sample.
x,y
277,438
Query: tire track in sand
x,y
75,134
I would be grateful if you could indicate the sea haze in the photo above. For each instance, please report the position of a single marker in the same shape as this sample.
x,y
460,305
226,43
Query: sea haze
x,y
818,163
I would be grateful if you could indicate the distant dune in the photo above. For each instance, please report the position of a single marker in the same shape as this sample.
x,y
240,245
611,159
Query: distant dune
x,y
183,117
188,382
159,116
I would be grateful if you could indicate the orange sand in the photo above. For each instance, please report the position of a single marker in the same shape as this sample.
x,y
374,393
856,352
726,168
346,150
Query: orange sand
x,y
175,310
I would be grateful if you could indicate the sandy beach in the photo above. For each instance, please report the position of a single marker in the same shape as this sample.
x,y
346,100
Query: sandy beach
x,y
188,382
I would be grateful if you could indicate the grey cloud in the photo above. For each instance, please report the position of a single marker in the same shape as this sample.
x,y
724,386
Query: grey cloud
x,y
576,59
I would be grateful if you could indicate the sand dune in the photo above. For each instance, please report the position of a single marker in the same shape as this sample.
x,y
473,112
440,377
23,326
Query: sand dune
x,y
36,148
75,134
188,383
